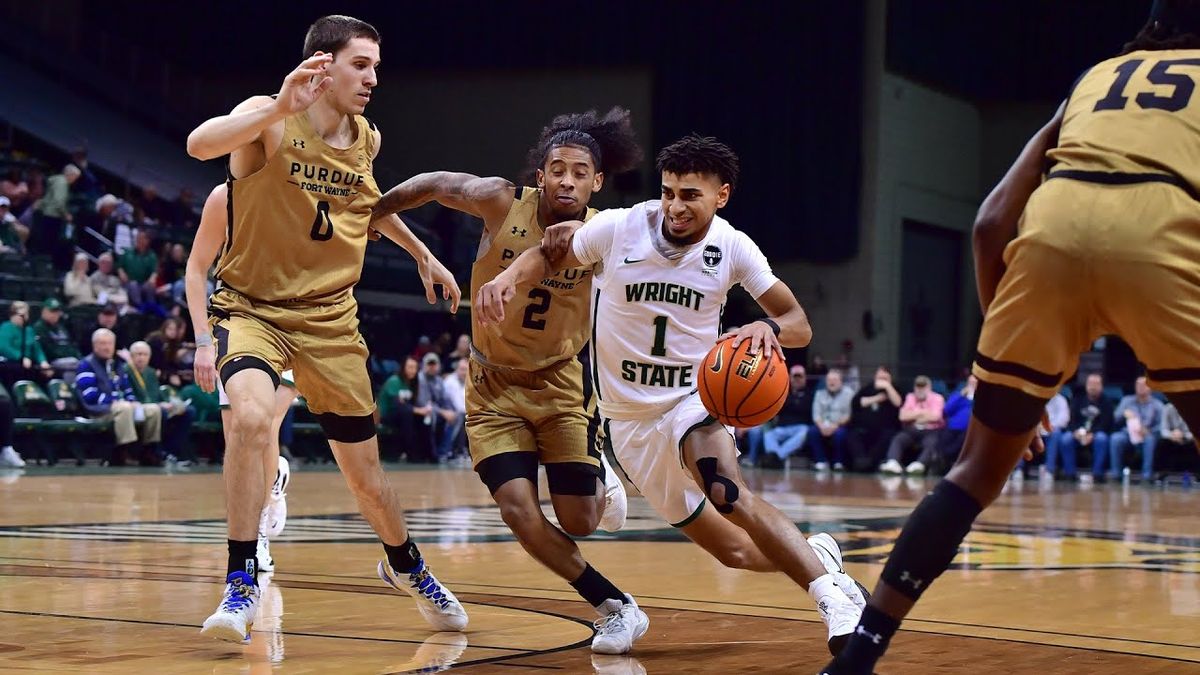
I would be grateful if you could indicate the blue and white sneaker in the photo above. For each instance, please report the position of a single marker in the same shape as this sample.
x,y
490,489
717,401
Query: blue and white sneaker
x,y
436,603
235,615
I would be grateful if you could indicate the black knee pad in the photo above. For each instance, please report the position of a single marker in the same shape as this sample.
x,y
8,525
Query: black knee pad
x,y
1007,410
247,362
497,470
707,466
576,479
930,539
347,429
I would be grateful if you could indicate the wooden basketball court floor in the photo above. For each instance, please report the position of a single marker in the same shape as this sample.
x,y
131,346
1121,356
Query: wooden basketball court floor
x,y
105,571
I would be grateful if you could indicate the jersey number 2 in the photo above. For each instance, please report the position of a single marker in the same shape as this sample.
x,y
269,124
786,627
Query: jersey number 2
x,y
322,228
540,304
1182,86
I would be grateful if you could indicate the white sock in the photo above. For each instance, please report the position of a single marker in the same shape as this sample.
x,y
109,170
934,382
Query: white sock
x,y
824,586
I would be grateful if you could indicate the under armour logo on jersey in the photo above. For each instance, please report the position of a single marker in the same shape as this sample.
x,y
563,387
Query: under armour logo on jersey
x,y
521,233
478,379
912,581
297,143
877,638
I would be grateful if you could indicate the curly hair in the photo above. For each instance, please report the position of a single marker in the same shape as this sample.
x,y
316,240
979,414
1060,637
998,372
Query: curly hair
x,y
1173,24
608,138
700,154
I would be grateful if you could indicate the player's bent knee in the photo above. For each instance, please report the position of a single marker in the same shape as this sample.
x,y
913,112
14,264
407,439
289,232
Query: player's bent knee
x,y
499,469
573,479
1007,410
520,516
720,489
577,523
347,428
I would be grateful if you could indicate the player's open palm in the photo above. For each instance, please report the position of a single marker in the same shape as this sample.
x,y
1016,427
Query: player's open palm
x,y
491,299
205,367
433,273
304,85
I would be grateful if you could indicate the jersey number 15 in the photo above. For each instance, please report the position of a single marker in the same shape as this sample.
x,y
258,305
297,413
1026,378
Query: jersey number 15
x,y
1160,74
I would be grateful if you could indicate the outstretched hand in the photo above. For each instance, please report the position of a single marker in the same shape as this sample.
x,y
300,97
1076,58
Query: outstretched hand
x,y
304,85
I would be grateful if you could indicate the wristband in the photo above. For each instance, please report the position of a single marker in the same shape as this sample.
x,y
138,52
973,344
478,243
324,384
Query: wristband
x,y
774,326
205,340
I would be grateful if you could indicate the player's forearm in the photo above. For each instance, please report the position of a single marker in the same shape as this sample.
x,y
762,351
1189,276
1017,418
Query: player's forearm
x,y
529,267
197,299
395,229
222,135
416,191
794,329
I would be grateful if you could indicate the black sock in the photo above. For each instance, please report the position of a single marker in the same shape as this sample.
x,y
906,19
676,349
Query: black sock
x,y
930,539
405,557
869,641
243,557
595,588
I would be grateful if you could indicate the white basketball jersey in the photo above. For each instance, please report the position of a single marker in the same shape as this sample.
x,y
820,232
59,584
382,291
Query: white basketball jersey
x,y
655,318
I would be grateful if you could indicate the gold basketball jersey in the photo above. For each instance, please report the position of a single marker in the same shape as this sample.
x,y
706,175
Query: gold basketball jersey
x,y
546,321
1134,118
298,226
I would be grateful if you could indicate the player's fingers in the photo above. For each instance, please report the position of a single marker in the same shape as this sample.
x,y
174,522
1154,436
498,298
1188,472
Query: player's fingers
x,y
455,298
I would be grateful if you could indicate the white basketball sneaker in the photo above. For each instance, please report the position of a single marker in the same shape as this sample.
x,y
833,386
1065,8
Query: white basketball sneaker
x,y
840,616
616,502
235,615
827,549
619,626
275,510
265,562
436,603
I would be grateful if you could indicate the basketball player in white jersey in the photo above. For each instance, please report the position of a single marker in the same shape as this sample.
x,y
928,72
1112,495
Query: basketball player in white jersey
x,y
662,273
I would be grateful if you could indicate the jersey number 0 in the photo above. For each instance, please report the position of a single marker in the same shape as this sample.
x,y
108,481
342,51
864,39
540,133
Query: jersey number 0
x,y
322,227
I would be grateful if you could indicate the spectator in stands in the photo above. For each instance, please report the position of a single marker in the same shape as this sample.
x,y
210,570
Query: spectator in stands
x,y
177,415
107,286
749,441
106,318
441,418
169,277
54,338
455,383
77,285
1090,426
874,419
15,189
396,407
850,376
184,216
957,414
53,230
831,414
102,384
462,349
170,355
115,217
1058,413
12,233
921,416
137,269
154,207
1177,448
1141,414
791,424
88,183
423,347
18,341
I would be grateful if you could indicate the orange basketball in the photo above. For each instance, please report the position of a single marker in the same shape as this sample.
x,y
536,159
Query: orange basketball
x,y
740,389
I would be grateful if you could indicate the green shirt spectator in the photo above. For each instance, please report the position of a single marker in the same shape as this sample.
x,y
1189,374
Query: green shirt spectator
x,y
58,189
53,336
207,406
17,339
138,263
390,394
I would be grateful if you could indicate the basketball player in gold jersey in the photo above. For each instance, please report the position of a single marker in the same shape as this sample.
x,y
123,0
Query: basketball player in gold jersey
x,y
299,209
1106,244
529,399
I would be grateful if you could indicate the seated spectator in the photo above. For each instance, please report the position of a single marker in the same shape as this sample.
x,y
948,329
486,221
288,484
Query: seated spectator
x,y
441,418
957,414
170,355
1058,414
749,441
18,341
1090,426
15,189
77,286
1141,414
791,424
183,216
831,414
462,349
155,207
55,339
88,183
455,385
1177,448
396,408
12,233
102,385
874,419
116,218
107,319
107,286
137,270
169,277
177,415
921,416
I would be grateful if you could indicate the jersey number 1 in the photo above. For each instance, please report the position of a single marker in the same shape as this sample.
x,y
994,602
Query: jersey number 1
x,y
322,228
